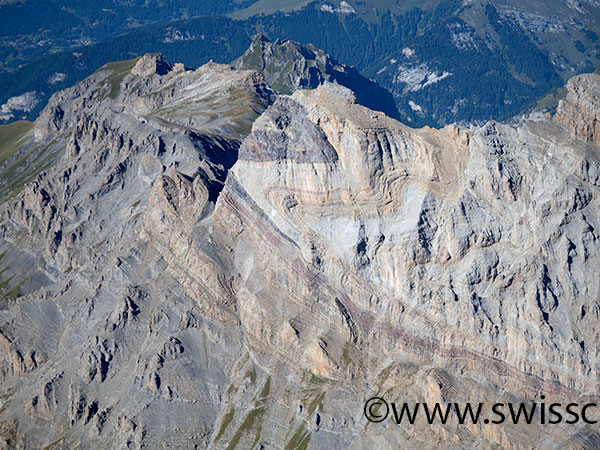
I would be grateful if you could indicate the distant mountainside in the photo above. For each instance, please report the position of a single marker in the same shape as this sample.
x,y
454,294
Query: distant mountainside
x,y
30,29
443,61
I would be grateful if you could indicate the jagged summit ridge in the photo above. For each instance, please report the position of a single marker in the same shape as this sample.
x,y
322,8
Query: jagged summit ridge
x,y
288,66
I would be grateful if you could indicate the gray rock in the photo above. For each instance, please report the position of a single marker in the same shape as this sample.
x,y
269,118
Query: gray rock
x,y
169,292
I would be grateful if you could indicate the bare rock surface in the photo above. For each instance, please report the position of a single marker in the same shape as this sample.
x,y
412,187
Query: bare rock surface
x,y
208,264
115,335
580,110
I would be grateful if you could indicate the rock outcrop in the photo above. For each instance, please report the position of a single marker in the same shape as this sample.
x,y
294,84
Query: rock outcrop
x,y
580,110
439,255
225,267
288,66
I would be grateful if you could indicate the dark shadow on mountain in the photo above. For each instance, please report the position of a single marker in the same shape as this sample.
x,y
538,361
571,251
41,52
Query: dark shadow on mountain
x,y
368,93
221,153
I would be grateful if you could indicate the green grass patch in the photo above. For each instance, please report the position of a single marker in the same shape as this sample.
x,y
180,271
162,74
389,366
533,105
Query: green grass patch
x,y
317,380
21,171
232,389
101,243
11,138
550,102
346,355
5,282
15,291
162,89
315,403
225,423
111,85
252,424
299,440
53,443
384,375
264,393
250,374
269,7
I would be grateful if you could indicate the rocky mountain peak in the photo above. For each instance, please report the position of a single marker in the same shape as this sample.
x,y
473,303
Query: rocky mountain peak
x,y
580,110
288,66
150,64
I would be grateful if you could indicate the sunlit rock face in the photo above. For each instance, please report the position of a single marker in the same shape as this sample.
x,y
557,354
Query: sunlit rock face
x,y
210,264
579,111
369,248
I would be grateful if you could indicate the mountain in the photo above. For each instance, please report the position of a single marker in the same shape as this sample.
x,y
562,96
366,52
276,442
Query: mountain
x,y
453,61
124,141
190,259
444,61
288,66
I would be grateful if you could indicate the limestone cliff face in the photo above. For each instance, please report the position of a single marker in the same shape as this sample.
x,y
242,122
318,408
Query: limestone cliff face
x,y
223,267
456,256
579,110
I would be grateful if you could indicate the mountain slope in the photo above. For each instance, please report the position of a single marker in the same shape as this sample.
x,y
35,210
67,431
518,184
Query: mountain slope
x,y
123,158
